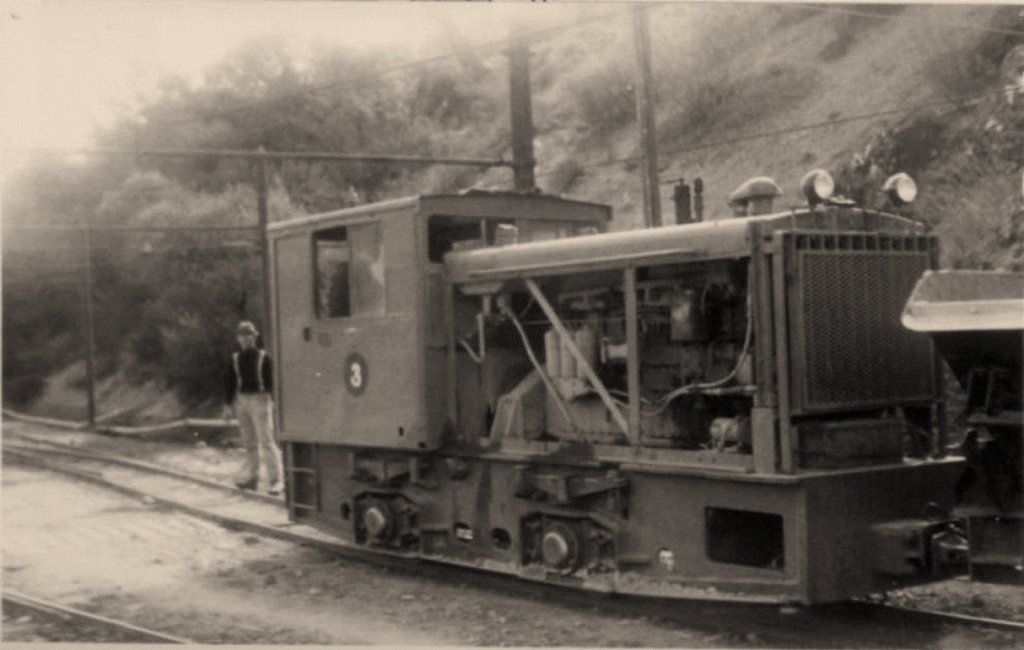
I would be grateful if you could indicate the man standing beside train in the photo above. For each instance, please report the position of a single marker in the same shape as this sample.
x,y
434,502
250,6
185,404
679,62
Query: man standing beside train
x,y
247,391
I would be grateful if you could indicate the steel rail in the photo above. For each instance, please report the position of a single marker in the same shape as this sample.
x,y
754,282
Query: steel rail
x,y
768,621
953,617
69,614
70,450
32,457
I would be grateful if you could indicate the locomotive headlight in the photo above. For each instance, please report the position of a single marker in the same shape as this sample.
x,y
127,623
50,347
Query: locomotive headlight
x,y
900,188
817,186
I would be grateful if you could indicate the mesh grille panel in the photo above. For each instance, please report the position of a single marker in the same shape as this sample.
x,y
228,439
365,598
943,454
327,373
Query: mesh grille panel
x,y
856,352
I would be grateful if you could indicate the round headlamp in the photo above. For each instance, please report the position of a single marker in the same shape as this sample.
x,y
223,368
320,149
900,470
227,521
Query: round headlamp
x,y
900,188
817,186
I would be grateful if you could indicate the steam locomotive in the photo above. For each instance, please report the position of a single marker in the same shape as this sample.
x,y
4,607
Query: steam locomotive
x,y
726,409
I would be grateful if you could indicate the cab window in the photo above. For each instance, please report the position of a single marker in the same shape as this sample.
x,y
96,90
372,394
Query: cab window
x,y
349,271
462,233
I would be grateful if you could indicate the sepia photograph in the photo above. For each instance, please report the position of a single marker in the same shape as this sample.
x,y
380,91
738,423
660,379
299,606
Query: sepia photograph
x,y
512,324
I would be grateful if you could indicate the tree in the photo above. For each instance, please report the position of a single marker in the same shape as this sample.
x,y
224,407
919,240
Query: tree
x,y
260,97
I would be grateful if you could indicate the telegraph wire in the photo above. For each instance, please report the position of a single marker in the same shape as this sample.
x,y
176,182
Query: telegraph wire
x,y
84,228
273,155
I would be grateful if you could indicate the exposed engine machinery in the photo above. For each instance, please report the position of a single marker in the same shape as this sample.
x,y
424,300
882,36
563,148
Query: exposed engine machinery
x,y
723,409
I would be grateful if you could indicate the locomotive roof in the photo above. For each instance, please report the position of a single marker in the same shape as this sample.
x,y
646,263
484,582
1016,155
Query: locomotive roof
x,y
718,239
474,203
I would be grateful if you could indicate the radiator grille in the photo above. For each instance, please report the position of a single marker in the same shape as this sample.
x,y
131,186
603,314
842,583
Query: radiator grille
x,y
850,349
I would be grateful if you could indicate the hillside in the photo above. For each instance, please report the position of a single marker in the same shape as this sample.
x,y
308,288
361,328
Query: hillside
x,y
766,69
741,90
747,90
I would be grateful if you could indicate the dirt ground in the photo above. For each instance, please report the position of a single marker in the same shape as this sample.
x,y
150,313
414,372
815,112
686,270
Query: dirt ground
x,y
84,547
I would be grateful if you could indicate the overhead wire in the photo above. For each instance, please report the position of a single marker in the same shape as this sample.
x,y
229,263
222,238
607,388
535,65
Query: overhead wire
x,y
91,228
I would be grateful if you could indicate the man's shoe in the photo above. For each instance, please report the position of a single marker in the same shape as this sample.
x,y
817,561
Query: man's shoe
x,y
276,489
246,485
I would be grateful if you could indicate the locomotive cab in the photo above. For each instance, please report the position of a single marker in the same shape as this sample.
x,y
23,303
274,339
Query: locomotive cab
x,y
360,326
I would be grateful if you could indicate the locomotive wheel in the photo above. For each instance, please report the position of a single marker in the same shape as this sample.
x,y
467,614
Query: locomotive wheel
x,y
560,548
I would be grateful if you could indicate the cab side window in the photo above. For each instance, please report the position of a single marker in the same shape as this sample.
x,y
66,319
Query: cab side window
x,y
349,263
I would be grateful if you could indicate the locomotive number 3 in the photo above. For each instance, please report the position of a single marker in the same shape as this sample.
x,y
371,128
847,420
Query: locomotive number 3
x,y
356,373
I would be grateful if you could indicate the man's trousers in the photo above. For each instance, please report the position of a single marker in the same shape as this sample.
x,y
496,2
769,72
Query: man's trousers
x,y
255,422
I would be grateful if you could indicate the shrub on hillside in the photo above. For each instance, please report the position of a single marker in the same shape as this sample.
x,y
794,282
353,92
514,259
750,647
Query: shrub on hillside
x,y
443,97
986,229
973,68
562,176
186,332
196,356
721,102
967,166
850,22
607,99
960,74
41,333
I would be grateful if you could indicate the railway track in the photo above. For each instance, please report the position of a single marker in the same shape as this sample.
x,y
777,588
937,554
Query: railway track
x,y
53,622
163,487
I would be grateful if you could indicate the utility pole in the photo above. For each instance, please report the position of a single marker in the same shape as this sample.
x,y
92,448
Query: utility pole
x,y
645,118
522,112
262,217
90,332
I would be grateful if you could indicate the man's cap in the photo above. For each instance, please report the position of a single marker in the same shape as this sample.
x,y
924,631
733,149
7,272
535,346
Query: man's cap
x,y
246,327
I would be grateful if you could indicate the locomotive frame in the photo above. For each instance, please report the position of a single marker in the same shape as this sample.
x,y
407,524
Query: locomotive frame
x,y
733,425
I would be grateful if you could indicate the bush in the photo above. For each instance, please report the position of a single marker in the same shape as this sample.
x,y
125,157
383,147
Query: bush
x,y
41,333
960,74
186,332
563,176
441,97
975,67
197,360
24,387
720,102
607,98
849,26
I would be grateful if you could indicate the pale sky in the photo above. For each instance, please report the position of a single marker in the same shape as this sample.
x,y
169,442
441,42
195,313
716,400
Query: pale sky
x,y
65,63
